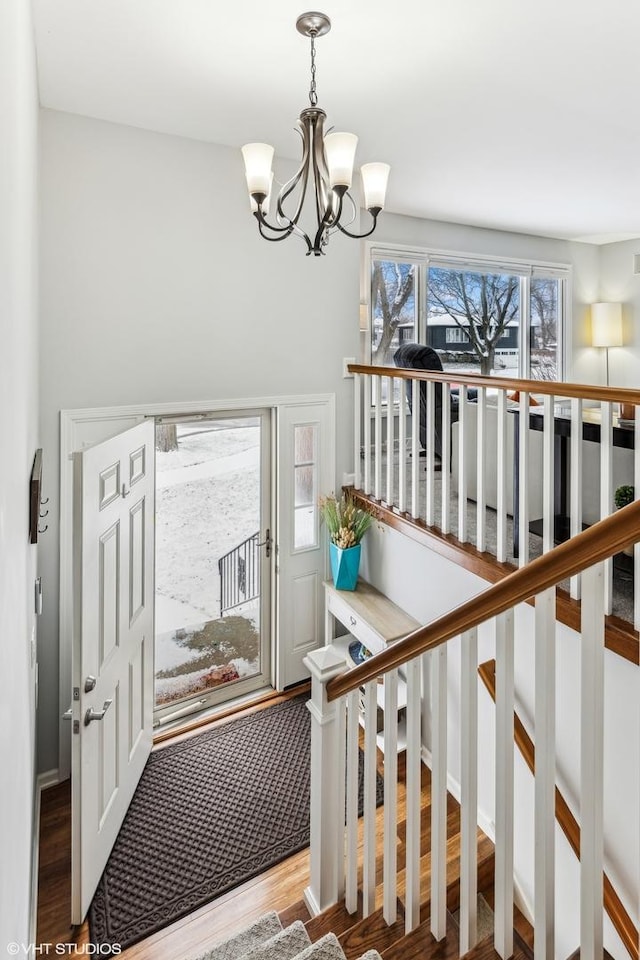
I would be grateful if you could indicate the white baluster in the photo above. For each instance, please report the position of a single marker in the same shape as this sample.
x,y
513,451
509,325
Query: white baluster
x,y
377,454
523,480
366,406
469,792
545,774
370,760
413,801
462,464
501,506
430,458
390,441
445,475
575,511
591,762
357,430
606,490
481,502
327,770
439,793
548,501
351,846
402,447
415,449
636,549
390,853
503,937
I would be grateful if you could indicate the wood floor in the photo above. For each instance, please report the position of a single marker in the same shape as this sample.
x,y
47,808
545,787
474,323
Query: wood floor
x,y
280,888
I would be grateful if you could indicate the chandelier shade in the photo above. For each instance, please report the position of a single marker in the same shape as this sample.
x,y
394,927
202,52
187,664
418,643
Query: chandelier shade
x,y
326,167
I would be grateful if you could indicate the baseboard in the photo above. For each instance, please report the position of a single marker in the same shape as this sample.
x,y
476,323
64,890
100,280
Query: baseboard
x,y
47,779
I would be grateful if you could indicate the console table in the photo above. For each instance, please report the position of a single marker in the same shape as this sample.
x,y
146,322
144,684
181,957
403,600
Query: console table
x,y
375,621
621,437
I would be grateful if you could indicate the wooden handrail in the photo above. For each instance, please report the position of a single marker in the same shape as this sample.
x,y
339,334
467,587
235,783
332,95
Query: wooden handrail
x,y
596,543
616,910
556,388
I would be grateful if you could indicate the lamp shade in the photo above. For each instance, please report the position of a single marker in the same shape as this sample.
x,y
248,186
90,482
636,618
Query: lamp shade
x,y
340,150
258,158
374,184
606,324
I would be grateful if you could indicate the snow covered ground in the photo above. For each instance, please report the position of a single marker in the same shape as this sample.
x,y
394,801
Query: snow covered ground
x,y
207,502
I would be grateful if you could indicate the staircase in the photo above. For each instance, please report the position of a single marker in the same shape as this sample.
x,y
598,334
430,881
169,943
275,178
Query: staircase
x,y
336,934
400,901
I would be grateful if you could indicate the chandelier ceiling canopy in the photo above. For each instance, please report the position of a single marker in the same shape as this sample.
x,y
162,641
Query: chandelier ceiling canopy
x,y
326,166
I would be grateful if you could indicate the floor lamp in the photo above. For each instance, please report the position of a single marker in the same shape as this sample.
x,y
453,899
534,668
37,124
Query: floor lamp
x,y
606,327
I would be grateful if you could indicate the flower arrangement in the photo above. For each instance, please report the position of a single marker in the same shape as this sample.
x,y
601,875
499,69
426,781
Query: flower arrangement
x,y
624,495
346,522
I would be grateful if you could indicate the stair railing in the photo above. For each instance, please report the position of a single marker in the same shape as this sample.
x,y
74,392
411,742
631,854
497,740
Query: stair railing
x,y
239,571
504,465
334,707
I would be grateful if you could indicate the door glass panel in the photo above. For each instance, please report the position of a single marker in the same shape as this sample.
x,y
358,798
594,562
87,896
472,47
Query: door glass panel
x,y
208,556
305,482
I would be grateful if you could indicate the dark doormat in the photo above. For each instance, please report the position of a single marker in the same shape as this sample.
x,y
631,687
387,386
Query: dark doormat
x,y
208,814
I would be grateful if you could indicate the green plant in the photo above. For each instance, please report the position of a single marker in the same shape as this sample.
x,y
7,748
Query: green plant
x,y
346,522
624,495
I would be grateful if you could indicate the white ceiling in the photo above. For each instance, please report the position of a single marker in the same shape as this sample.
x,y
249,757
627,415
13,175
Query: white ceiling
x,y
502,113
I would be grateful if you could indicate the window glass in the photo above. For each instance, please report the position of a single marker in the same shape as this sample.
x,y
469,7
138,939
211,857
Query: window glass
x,y
305,483
473,320
393,308
544,340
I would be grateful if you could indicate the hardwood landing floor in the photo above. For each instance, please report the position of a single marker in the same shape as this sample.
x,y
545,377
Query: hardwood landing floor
x,y
280,888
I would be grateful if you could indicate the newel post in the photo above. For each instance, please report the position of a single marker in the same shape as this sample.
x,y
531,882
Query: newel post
x,y
327,783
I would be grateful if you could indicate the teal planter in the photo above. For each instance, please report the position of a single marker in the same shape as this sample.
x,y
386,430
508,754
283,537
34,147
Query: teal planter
x,y
344,566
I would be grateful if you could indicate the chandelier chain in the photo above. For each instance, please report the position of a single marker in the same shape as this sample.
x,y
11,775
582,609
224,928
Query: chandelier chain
x,y
313,96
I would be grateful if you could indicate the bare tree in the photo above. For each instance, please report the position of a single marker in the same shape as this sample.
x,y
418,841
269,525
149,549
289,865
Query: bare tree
x,y
166,437
544,328
481,304
391,289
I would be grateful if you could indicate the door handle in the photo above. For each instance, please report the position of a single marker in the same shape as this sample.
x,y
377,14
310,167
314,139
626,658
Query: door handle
x,y
92,714
267,542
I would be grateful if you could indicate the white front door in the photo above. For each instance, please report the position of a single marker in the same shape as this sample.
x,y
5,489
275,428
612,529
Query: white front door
x,y
112,709
306,470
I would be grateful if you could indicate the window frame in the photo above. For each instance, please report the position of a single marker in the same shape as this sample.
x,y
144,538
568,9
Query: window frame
x,y
525,269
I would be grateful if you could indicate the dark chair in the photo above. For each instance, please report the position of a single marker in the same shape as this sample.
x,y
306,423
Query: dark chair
x,y
414,356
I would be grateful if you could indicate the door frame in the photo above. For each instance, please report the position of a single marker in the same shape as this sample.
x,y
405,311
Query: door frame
x,y
84,426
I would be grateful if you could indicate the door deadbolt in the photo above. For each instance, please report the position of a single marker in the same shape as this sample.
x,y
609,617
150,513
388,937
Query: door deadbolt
x,y
89,684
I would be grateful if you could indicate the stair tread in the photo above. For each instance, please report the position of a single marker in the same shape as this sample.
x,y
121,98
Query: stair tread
x,y
334,919
420,944
285,945
295,911
371,933
326,948
252,936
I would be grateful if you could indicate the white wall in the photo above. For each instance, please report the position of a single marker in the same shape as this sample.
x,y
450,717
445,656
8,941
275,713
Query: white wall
x,y
618,283
427,586
18,442
157,287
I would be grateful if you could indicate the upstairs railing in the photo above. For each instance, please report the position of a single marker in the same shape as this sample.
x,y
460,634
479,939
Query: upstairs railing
x,y
510,477
334,706
239,571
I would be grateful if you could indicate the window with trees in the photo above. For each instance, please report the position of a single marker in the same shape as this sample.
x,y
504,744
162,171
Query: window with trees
x,y
481,317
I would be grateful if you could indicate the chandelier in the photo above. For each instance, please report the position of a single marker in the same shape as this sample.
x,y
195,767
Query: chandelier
x,y
327,163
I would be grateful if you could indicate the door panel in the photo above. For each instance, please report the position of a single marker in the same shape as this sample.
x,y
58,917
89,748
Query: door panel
x,y
306,469
113,637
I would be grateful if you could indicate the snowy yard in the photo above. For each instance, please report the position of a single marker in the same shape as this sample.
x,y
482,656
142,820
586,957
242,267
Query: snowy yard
x,y
207,502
